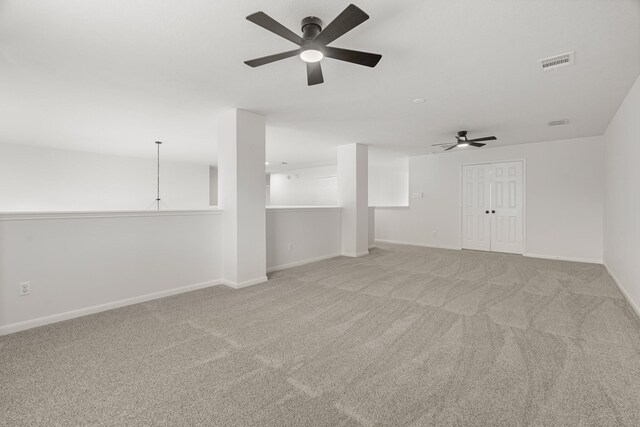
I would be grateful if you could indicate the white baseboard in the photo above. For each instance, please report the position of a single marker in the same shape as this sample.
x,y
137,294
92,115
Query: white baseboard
x,y
54,318
623,290
303,262
564,258
355,254
424,245
246,283
457,248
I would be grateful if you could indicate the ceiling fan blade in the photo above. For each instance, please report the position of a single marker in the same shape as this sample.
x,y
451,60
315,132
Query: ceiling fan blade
x,y
486,138
271,58
314,73
350,18
354,56
446,143
451,148
268,23
475,144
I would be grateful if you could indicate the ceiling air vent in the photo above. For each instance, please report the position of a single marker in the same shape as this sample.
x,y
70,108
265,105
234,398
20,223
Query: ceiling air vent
x,y
555,62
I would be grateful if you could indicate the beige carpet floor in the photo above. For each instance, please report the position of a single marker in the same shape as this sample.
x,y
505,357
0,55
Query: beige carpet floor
x,y
403,336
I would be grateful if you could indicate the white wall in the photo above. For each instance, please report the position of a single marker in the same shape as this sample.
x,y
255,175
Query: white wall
x,y
353,197
622,197
241,181
313,233
372,226
297,187
564,198
213,186
388,182
79,262
388,178
46,179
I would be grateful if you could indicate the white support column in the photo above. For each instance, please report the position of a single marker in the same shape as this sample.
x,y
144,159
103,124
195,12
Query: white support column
x,y
353,197
241,196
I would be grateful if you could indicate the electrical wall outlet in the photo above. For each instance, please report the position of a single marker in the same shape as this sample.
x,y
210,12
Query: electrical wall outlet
x,y
24,288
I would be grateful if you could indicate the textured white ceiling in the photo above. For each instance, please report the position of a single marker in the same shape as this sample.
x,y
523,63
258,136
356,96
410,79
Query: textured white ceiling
x,y
113,76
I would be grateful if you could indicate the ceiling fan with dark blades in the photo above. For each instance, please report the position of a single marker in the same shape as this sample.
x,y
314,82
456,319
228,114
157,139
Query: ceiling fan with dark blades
x,y
313,45
463,141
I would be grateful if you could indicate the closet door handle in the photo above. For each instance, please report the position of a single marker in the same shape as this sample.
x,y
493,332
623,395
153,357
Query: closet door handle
x,y
486,212
493,211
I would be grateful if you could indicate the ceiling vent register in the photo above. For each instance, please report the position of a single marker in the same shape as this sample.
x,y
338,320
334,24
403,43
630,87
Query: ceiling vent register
x,y
559,61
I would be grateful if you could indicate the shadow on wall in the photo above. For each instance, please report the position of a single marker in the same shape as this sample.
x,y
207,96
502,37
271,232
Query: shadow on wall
x,y
213,186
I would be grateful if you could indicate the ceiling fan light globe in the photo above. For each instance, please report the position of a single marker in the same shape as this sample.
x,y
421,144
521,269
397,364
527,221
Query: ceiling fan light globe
x,y
311,55
463,144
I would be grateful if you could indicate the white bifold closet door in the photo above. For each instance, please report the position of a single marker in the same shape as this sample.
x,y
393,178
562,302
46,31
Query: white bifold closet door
x,y
492,207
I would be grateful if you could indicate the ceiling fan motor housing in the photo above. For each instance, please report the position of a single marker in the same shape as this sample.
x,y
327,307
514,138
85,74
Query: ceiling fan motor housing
x,y
311,27
313,45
